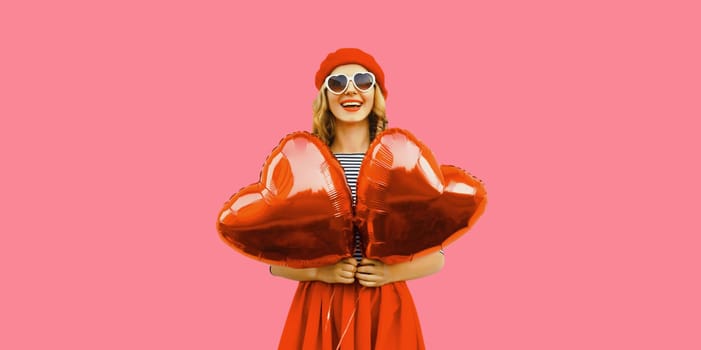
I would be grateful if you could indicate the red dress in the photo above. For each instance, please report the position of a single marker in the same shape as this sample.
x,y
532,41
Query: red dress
x,y
352,317
327,316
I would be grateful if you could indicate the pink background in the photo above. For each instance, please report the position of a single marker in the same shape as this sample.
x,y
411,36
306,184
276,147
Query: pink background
x,y
127,124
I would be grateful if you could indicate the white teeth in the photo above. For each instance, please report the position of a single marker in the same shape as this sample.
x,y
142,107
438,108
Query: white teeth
x,y
351,104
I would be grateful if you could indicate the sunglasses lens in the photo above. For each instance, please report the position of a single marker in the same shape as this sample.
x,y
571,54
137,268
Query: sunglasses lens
x,y
363,81
337,83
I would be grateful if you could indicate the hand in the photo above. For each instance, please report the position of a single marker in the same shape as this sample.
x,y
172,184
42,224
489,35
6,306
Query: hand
x,y
341,272
373,273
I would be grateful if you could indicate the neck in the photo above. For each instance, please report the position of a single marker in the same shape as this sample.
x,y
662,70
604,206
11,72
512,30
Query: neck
x,y
351,138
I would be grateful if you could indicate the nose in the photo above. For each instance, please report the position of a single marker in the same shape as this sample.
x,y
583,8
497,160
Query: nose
x,y
351,89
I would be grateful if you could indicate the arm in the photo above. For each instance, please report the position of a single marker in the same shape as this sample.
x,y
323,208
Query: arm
x,y
341,272
374,273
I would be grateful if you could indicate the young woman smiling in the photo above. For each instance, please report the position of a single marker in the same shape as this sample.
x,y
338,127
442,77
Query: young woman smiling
x,y
356,303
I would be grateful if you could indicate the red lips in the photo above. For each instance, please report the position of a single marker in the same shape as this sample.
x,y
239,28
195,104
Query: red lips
x,y
351,108
299,213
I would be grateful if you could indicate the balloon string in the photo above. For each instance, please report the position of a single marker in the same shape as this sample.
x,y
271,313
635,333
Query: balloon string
x,y
328,312
350,318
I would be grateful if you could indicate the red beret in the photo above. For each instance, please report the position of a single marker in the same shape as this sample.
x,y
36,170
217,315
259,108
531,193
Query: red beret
x,y
348,56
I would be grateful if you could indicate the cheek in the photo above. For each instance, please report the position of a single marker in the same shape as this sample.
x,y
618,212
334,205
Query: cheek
x,y
370,101
331,98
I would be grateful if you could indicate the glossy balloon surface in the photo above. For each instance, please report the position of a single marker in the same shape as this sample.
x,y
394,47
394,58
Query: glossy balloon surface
x,y
408,205
299,213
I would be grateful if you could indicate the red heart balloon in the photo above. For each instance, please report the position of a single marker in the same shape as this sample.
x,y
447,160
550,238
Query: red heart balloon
x,y
408,205
299,213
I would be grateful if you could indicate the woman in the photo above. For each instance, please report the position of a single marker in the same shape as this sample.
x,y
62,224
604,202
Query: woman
x,y
357,303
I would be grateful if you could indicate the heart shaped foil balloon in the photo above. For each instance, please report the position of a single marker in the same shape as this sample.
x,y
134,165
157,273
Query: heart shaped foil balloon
x,y
408,205
299,214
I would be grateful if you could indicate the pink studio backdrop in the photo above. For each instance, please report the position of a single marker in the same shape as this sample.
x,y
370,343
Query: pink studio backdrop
x,y
126,125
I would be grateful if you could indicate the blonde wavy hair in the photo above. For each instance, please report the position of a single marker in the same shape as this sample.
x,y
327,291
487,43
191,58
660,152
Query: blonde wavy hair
x,y
323,125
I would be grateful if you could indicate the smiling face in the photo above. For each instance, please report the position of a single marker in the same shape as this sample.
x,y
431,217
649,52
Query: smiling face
x,y
352,105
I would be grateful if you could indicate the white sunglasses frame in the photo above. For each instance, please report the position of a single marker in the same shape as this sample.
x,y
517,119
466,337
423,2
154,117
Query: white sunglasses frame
x,y
350,80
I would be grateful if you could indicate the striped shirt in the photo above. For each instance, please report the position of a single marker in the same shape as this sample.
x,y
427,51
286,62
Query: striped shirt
x,y
351,165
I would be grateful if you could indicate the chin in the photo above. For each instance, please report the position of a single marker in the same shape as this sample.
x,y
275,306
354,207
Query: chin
x,y
352,119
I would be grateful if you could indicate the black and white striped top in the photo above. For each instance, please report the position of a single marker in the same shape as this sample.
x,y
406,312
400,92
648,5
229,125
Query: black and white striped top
x,y
351,165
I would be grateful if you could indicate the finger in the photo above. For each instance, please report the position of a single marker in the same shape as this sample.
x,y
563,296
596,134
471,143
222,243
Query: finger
x,y
351,261
348,267
367,269
368,283
346,274
367,277
367,261
345,280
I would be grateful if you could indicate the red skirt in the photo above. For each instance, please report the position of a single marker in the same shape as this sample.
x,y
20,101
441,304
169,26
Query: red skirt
x,y
352,317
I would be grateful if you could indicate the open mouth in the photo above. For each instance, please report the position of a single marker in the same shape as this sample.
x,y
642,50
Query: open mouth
x,y
351,105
